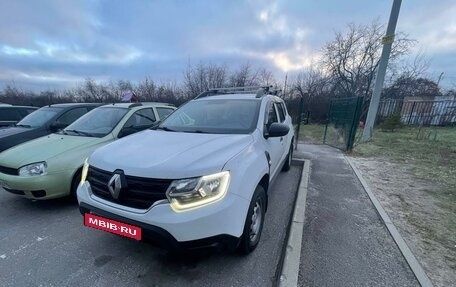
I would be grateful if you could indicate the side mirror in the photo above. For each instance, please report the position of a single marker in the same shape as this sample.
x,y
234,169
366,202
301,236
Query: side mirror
x,y
277,130
56,126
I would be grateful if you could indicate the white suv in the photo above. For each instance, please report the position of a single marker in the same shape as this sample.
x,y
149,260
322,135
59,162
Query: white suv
x,y
201,177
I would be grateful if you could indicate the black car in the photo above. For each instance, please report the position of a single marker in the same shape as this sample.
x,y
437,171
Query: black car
x,y
46,120
9,115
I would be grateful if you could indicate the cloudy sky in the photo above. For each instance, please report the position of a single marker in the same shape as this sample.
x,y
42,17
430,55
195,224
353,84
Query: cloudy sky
x,y
54,44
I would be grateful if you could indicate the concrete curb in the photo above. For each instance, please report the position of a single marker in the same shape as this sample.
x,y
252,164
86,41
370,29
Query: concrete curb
x,y
292,258
420,275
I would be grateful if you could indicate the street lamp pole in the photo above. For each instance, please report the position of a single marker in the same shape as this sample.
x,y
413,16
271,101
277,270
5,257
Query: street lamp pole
x,y
387,42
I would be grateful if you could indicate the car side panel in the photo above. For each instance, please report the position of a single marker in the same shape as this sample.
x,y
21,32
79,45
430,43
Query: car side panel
x,y
247,169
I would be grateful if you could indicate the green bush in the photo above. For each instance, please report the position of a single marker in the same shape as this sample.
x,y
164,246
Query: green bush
x,y
391,123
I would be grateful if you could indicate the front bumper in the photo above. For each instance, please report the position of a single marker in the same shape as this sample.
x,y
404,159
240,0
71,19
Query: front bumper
x,y
48,186
220,220
163,238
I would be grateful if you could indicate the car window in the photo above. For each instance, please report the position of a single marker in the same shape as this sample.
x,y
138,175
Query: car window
x,y
9,114
164,112
25,111
141,119
98,122
230,116
70,116
272,115
281,112
39,117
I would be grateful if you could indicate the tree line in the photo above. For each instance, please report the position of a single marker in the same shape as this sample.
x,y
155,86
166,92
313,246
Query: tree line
x,y
346,68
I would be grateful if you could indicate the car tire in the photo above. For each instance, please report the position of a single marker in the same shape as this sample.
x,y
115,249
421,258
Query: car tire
x,y
287,164
74,184
254,222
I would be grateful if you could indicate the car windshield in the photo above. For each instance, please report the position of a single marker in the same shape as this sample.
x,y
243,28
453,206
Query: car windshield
x,y
214,116
96,123
39,117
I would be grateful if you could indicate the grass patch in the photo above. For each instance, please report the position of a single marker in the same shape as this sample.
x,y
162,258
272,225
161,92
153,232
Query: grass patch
x,y
312,133
434,157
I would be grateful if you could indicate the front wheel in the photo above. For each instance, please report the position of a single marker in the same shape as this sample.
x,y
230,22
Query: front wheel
x,y
254,221
74,185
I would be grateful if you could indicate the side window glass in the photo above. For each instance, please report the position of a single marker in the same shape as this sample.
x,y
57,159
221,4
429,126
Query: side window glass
x,y
141,119
10,115
284,107
281,112
164,112
272,115
70,116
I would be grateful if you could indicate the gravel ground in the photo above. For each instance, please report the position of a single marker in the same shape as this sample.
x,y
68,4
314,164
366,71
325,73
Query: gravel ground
x,y
414,208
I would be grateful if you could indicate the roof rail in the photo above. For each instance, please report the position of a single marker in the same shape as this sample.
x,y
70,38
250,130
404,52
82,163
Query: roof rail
x,y
134,105
258,90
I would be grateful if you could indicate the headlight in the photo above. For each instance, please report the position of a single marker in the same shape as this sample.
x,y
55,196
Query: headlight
x,y
38,168
85,170
194,192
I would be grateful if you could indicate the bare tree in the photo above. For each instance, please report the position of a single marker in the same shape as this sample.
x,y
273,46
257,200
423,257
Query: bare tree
x,y
352,58
202,77
244,76
266,77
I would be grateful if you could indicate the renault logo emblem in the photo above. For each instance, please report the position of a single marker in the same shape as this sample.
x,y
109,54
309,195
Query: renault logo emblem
x,y
115,185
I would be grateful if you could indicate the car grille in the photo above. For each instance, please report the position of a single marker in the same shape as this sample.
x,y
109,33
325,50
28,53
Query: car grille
x,y
8,170
140,192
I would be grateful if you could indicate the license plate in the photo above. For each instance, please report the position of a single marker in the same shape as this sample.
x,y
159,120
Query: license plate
x,y
4,184
112,226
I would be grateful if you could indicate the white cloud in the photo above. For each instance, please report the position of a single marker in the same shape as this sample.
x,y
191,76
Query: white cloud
x,y
12,51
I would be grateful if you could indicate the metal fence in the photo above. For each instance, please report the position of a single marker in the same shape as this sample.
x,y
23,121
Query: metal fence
x,y
343,120
427,113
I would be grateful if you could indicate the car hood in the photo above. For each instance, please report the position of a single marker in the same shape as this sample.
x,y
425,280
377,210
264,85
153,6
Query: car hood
x,y
174,155
44,148
5,132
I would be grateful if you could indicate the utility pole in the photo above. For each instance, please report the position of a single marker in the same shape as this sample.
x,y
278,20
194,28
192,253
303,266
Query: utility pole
x,y
387,42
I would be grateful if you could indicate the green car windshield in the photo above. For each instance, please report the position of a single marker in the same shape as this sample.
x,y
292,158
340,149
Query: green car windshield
x,y
96,123
39,117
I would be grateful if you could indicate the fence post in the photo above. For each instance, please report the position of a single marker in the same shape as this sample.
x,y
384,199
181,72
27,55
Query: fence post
x,y
327,120
355,123
301,103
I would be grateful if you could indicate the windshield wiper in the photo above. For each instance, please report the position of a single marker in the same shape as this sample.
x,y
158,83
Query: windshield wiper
x,y
80,133
24,126
166,129
196,132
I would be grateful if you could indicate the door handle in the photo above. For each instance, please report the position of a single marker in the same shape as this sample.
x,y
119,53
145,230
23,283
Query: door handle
x,y
281,138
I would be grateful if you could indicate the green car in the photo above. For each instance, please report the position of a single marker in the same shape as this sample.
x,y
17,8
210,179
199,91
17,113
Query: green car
x,y
50,166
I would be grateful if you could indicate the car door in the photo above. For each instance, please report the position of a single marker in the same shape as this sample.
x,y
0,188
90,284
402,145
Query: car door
x,y
283,119
274,145
140,120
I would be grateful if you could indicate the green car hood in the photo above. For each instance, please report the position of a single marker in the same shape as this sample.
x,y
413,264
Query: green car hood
x,y
46,148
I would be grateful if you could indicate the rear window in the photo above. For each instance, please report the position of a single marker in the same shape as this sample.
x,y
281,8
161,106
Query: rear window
x,y
164,112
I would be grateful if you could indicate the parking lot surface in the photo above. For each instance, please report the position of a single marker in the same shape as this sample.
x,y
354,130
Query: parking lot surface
x,y
344,242
45,243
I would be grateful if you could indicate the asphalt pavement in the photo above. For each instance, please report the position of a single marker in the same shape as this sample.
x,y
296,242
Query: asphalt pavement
x,y
344,242
46,244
